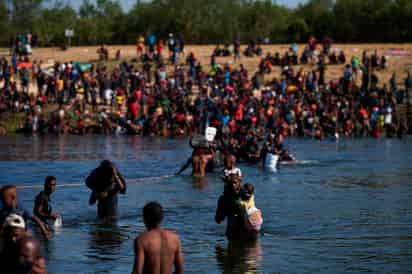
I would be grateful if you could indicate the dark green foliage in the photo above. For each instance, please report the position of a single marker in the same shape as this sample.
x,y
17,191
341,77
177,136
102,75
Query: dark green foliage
x,y
208,21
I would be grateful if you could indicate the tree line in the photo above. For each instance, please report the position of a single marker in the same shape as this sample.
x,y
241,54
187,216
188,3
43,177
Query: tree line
x,y
207,21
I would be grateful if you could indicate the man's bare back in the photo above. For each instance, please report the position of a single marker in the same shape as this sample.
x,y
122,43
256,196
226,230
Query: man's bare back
x,y
157,251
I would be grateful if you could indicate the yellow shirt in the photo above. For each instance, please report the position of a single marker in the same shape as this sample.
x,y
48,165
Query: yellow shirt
x,y
246,205
60,85
120,100
140,41
79,89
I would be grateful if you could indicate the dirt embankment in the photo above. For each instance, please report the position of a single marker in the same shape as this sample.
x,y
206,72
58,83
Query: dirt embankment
x,y
396,63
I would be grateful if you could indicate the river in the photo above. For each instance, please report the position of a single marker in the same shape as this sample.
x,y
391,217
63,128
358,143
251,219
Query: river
x,y
347,209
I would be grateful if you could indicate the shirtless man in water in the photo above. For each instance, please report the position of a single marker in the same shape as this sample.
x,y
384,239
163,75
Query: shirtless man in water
x,y
199,160
157,250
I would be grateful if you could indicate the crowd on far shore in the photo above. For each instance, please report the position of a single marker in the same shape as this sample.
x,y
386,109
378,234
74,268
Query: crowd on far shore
x,y
167,92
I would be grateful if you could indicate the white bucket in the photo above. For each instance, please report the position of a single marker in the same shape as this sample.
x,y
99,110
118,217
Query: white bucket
x,y
388,119
271,162
210,134
58,222
255,219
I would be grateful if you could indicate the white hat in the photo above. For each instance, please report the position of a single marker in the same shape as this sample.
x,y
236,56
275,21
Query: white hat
x,y
14,220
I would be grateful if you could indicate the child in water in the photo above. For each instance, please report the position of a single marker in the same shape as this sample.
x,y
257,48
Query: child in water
x,y
252,215
248,198
230,168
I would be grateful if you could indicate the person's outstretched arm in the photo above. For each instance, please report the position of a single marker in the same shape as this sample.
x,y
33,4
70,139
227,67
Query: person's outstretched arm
x,y
220,212
44,231
120,181
185,166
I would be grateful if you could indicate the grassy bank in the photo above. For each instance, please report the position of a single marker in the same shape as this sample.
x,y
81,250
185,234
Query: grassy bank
x,y
11,122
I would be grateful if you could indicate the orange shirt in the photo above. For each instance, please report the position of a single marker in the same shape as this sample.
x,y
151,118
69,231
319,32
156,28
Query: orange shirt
x,y
60,85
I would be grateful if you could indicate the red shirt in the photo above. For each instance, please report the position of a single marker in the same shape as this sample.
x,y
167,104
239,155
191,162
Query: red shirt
x,y
138,95
180,117
239,113
134,109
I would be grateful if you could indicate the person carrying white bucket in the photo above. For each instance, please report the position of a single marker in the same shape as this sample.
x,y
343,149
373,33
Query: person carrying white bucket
x,y
202,153
42,204
271,162
210,134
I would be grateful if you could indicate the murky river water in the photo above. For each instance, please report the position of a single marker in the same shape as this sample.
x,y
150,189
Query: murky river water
x,y
348,210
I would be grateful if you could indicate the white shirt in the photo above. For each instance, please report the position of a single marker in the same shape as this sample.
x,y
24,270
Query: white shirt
x,y
234,170
108,94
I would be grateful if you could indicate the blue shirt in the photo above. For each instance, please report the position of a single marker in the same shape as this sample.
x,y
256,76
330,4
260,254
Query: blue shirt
x,y
152,40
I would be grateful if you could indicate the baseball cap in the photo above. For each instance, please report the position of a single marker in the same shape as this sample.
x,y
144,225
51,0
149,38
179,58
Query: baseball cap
x,y
14,220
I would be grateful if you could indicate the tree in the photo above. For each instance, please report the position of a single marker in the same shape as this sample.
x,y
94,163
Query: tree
x,y
87,10
318,15
52,23
23,13
4,24
298,30
209,21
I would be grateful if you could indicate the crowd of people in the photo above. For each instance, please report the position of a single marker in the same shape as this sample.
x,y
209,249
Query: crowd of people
x,y
162,96
174,95
20,251
22,44
170,93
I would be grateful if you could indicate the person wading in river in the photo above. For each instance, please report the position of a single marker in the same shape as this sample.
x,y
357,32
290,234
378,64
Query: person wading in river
x,y
229,206
42,204
106,182
157,250
10,205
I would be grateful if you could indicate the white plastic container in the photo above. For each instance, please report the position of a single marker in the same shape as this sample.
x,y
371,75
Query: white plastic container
x,y
58,222
210,134
271,162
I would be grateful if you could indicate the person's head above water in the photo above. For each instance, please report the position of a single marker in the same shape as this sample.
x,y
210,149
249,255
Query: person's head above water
x,y
9,196
247,191
230,161
29,256
107,167
106,164
50,184
14,228
152,215
235,182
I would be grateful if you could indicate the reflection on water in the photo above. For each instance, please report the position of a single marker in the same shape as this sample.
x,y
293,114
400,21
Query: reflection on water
x,y
239,257
63,148
105,241
199,182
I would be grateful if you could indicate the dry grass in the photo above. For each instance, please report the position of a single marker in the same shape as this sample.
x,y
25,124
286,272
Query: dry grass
x,y
398,64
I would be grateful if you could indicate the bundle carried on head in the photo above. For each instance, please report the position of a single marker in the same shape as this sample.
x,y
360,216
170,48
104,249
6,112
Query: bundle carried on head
x,y
100,179
199,141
